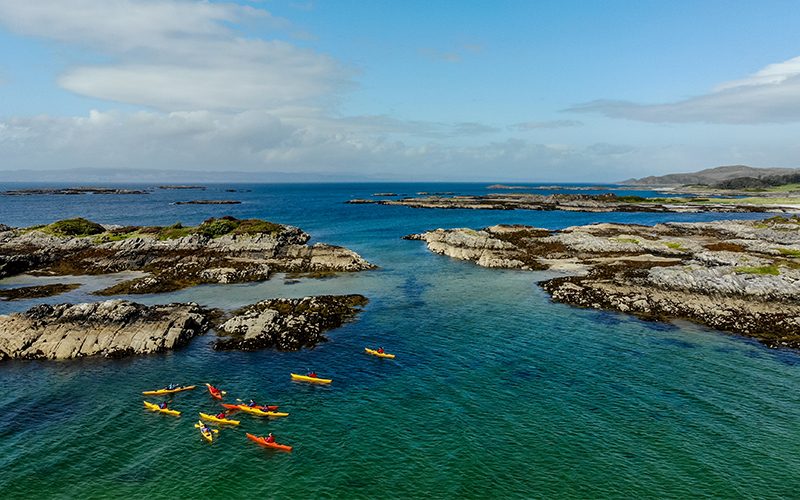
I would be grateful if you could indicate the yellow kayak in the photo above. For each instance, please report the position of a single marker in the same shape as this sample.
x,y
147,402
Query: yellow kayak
x,y
161,392
154,407
313,380
207,435
262,413
379,354
212,418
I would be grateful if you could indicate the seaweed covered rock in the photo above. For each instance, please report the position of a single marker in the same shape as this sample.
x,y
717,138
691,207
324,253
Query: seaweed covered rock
x,y
287,324
220,250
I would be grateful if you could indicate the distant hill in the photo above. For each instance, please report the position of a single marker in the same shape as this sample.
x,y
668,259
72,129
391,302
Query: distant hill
x,y
711,176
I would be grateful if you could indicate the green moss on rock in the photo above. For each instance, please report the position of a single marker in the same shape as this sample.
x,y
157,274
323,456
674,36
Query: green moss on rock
x,y
75,227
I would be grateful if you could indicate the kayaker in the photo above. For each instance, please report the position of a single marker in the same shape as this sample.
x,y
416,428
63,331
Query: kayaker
x,y
205,429
252,404
380,350
172,386
312,374
163,405
270,438
221,415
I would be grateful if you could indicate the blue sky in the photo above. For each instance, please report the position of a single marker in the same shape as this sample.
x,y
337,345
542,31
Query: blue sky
x,y
467,90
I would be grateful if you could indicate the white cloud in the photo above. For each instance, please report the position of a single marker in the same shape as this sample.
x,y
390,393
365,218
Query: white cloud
x,y
261,141
771,95
771,75
178,55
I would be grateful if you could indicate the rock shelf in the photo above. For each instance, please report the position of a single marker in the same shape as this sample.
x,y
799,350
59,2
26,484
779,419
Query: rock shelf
x,y
220,250
737,276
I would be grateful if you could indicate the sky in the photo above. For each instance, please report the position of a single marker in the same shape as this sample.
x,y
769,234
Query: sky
x,y
573,91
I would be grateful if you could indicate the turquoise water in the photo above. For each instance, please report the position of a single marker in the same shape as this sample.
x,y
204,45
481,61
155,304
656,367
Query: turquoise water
x,y
495,392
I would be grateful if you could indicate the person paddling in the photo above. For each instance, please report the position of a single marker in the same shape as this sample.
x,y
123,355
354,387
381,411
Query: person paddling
x,y
270,438
380,350
312,374
221,415
163,405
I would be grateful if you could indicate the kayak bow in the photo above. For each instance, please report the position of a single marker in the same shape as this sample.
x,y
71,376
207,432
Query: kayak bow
x,y
263,442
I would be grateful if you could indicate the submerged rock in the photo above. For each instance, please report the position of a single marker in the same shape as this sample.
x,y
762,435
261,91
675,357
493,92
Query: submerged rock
x,y
287,324
113,328
37,291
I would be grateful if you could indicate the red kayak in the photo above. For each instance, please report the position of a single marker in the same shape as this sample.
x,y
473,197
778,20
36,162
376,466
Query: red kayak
x,y
215,393
262,408
263,442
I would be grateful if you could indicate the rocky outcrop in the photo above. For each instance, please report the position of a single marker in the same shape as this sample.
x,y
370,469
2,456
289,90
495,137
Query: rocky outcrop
x,y
37,291
287,324
775,324
72,191
209,202
114,328
739,276
489,247
603,203
119,328
224,250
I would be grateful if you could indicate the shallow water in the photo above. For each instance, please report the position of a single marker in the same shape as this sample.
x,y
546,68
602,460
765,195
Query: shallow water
x,y
495,392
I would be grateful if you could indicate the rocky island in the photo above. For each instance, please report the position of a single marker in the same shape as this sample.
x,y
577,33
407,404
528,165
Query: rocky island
x,y
606,202
209,202
287,324
120,328
737,276
113,328
220,250
36,291
72,191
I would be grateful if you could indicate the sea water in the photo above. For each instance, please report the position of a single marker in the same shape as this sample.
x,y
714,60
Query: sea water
x,y
496,392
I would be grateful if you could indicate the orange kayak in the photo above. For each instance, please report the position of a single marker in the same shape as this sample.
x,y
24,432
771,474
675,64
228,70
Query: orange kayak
x,y
215,393
263,442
